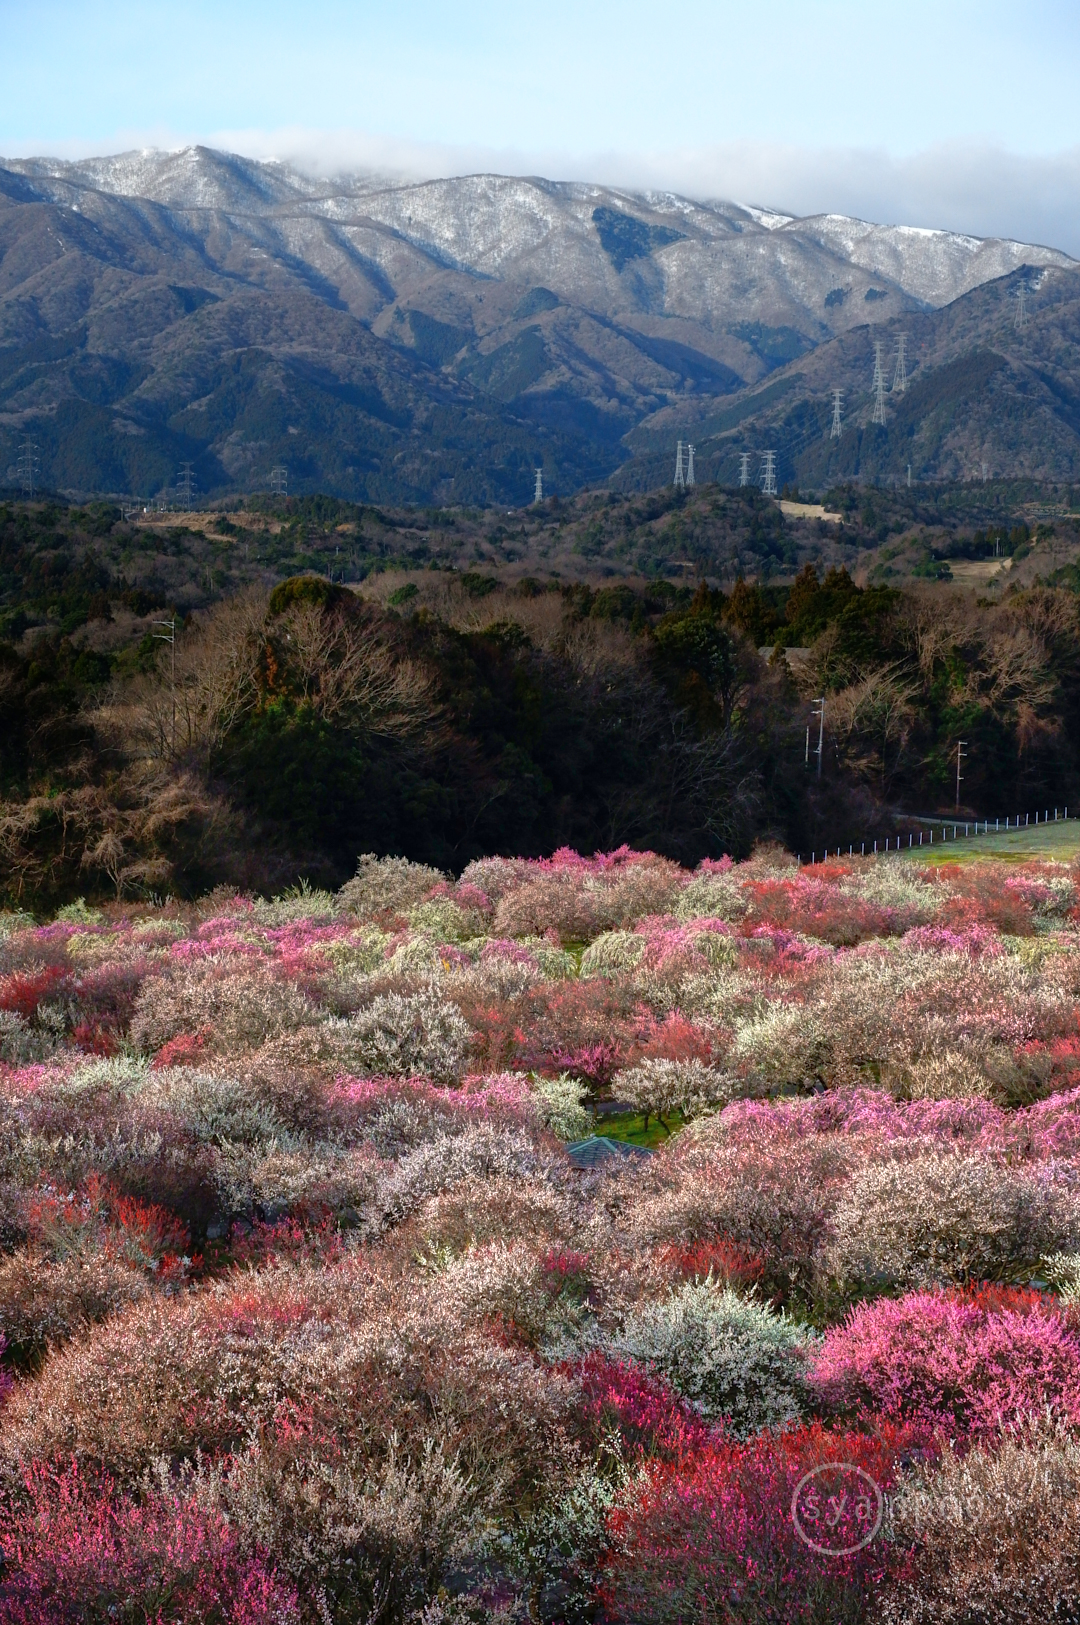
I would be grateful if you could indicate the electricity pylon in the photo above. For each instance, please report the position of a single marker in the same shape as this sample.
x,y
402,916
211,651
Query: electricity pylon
x,y
279,481
878,385
744,468
837,414
899,382
768,473
28,466
689,464
538,494
680,477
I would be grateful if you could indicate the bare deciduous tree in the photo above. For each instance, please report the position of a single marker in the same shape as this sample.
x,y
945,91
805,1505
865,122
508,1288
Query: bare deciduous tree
x,y
342,670
870,721
337,664
199,694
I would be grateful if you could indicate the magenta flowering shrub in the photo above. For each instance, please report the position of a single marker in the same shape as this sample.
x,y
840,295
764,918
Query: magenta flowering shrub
x,y
649,1418
710,1536
949,1362
76,1549
308,1317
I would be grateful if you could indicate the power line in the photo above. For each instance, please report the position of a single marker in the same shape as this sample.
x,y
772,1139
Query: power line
x,y
689,464
28,466
837,414
744,468
878,385
899,382
680,478
768,473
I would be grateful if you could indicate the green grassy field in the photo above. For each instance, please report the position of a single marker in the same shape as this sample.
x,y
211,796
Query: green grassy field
x,y
1058,841
632,1128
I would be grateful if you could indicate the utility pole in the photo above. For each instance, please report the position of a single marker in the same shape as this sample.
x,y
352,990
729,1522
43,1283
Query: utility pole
x,y
817,709
680,478
768,473
879,385
28,467
837,414
689,465
169,636
538,494
279,481
186,486
744,468
960,754
899,382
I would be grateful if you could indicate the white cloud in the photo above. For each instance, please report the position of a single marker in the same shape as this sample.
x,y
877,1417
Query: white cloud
x,y
958,186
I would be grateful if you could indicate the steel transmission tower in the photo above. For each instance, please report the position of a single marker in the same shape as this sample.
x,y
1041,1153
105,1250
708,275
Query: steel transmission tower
x,y
28,466
768,473
878,385
689,464
744,468
186,485
837,414
279,481
1021,306
899,381
680,477
538,494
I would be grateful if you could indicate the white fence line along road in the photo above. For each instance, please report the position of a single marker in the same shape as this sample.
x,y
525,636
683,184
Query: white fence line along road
x,y
979,825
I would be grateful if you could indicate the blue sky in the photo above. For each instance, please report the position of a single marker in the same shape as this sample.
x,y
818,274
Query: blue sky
x,y
953,113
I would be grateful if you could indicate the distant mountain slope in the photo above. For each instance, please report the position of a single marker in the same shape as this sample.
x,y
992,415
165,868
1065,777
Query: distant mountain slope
x,y
428,342
984,399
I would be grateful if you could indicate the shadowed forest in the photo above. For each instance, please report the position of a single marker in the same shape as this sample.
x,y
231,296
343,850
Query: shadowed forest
x,y
187,707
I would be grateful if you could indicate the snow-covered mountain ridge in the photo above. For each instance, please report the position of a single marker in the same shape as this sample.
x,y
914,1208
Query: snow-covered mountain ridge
x,y
437,340
493,225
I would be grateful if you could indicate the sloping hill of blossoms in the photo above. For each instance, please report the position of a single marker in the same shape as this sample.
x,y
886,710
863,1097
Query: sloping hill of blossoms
x,y
309,1315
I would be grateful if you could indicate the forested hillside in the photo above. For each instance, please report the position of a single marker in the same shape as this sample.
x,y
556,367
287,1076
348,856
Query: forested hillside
x,y
182,706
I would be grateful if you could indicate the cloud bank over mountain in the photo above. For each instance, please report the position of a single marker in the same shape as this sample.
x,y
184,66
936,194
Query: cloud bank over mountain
x,y
960,186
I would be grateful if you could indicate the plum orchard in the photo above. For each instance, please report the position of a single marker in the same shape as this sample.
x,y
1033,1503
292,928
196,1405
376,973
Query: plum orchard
x,y
308,1315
